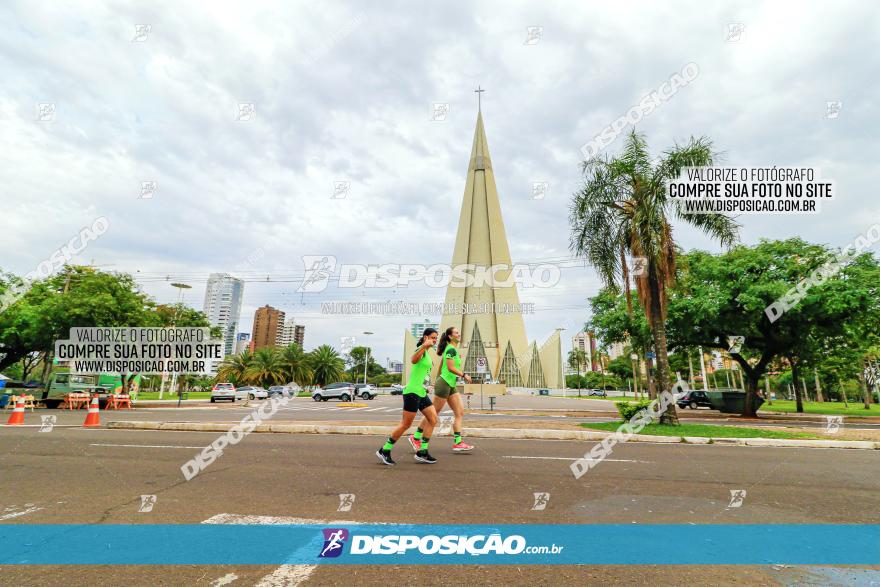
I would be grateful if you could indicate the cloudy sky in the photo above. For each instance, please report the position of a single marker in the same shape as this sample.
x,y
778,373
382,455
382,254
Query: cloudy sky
x,y
345,92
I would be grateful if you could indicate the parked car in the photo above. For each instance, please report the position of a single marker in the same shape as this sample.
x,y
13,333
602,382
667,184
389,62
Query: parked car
x,y
283,390
222,391
251,392
365,390
396,389
342,391
597,392
693,400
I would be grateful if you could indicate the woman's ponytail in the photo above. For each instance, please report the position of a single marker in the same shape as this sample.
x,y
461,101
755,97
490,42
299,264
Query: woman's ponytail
x,y
444,340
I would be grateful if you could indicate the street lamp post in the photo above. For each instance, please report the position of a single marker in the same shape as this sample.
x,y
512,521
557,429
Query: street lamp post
x,y
366,358
180,287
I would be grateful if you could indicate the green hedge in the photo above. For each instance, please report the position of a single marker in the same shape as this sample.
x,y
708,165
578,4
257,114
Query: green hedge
x,y
629,409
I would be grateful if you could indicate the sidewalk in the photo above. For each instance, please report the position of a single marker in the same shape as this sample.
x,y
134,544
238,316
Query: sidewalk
x,y
559,432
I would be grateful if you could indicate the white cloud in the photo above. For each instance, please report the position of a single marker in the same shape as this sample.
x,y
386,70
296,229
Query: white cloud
x,y
343,92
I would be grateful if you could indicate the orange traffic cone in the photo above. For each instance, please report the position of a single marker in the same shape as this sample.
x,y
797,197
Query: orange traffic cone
x,y
17,417
93,418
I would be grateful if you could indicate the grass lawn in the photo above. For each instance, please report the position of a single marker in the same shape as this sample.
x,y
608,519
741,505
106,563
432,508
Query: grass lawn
x,y
703,430
170,397
830,408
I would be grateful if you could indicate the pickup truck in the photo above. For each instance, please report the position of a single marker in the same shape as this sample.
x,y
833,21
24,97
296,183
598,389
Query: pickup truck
x,y
102,384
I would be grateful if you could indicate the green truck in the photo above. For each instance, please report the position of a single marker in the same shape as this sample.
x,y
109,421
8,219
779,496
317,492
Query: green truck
x,y
61,383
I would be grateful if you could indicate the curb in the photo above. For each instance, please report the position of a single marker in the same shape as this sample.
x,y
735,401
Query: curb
x,y
511,433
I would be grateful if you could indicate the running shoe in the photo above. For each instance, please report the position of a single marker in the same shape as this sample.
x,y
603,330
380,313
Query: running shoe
x,y
415,443
462,447
385,457
424,456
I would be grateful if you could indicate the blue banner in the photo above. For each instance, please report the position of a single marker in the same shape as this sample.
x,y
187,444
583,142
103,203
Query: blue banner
x,y
519,544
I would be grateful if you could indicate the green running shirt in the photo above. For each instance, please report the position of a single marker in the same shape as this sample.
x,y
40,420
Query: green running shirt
x,y
448,376
417,374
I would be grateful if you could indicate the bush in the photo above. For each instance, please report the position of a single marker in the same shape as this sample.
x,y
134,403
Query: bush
x,y
629,409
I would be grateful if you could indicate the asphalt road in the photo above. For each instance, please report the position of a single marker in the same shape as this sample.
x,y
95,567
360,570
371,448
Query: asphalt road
x,y
77,475
387,409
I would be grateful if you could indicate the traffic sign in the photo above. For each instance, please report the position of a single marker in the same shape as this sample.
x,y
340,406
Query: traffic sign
x,y
482,364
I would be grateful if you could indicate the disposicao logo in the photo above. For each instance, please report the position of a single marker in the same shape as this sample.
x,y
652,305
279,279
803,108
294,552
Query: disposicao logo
x,y
334,542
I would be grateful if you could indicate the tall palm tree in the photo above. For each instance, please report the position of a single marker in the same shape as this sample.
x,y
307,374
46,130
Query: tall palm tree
x,y
577,358
624,202
266,368
234,368
326,365
295,364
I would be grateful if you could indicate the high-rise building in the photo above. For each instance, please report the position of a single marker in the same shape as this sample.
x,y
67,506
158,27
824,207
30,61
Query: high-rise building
x,y
586,342
268,326
616,350
395,366
417,328
581,342
223,297
292,332
242,342
497,338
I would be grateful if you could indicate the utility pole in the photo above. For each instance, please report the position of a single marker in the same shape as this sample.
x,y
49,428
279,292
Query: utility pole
x,y
366,358
703,369
690,370
180,287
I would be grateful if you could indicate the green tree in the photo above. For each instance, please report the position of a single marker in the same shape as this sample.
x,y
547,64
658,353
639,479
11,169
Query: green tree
x,y
717,296
266,368
235,368
295,363
624,206
621,367
326,364
578,360
355,361
75,297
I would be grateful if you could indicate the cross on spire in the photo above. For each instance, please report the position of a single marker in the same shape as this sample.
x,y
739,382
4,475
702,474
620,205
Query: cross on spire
x,y
478,92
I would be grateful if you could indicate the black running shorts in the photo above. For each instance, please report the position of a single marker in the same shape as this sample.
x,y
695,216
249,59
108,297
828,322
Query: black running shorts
x,y
413,403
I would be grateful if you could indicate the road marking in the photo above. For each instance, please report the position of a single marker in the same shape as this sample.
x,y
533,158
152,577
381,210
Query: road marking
x,y
572,459
146,445
21,513
40,426
376,409
224,580
356,409
285,575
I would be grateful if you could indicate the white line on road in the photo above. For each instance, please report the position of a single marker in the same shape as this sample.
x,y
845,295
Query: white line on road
x,y
21,513
39,426
572,459
285,575
146,445
224,580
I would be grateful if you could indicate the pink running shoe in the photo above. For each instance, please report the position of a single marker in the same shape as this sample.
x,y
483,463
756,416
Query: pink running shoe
x,y
416,444
462,447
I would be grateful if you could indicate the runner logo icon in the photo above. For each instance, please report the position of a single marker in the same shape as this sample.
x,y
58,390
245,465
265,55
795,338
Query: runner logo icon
x,y
334,542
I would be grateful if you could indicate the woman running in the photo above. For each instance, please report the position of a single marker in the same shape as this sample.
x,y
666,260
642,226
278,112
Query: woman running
x,y
415,399
445,390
